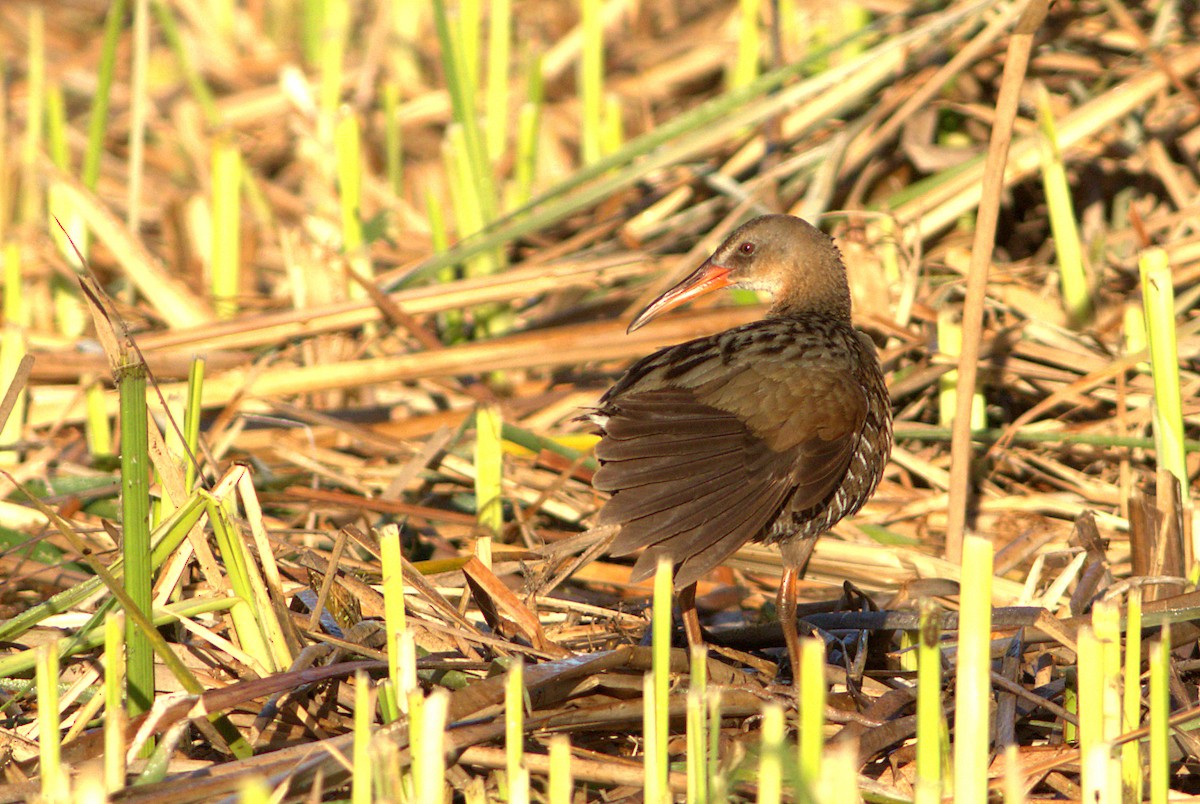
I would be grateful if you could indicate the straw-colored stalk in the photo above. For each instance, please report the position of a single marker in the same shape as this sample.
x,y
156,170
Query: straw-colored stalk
x,y
1132,770
514,732
429,764
1160,716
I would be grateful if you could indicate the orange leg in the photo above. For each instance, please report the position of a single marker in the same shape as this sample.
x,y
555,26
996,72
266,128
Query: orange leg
x,y
691,618
795,560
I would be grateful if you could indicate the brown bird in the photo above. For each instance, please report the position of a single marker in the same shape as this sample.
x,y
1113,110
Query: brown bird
x,y
769,432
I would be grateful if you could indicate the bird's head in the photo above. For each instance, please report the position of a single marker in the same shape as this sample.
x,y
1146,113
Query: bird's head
x,y
781,254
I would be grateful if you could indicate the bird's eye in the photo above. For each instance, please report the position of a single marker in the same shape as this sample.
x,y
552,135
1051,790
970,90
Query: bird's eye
x,y
746,249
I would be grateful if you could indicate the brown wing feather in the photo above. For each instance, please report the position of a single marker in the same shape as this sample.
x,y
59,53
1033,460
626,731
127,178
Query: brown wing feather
x,y
693,482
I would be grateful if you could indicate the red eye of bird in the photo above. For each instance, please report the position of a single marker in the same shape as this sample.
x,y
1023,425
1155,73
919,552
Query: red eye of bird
x,y
746,248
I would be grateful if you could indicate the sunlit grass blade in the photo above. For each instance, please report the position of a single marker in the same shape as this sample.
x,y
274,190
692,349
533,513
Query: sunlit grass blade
x,y
1014,783
931,725
331,55
514,732
950,345
811,686
489,463
591,82
114,24
499,50
394,615
717,788
393,138
30,207
770,761
456,47
697,727
1160,715
12,349
745,65
115,720
429,764
361,776
53,778
1076,293
195,80
561,784
528,127
135,519
1132,770
660,625
1158,295
973,687
250,613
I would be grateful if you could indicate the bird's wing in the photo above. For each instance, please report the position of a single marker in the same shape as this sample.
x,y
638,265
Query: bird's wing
x,y
697,472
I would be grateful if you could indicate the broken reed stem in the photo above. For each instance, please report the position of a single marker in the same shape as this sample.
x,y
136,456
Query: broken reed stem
x,y
1015,63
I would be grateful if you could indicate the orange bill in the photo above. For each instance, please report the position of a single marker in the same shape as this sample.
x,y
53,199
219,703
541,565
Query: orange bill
x,y
708,277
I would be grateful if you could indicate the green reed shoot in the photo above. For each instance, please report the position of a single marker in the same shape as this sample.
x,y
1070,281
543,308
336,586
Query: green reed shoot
x,y
53,777
697,727
115,720
361,776
660,624
931,724
1072,272
745,66
1158,296
770,760
973,686
499,56
811,686
591,82
561,784
516,773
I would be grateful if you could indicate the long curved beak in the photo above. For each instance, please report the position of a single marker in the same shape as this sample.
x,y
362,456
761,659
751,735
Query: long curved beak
x,y
708,277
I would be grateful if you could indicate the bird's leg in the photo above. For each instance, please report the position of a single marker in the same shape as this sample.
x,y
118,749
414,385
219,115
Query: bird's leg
x,y
691,618
795,559
785,603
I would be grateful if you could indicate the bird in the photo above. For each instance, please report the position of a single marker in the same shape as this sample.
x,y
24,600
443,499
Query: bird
x,y
768,432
